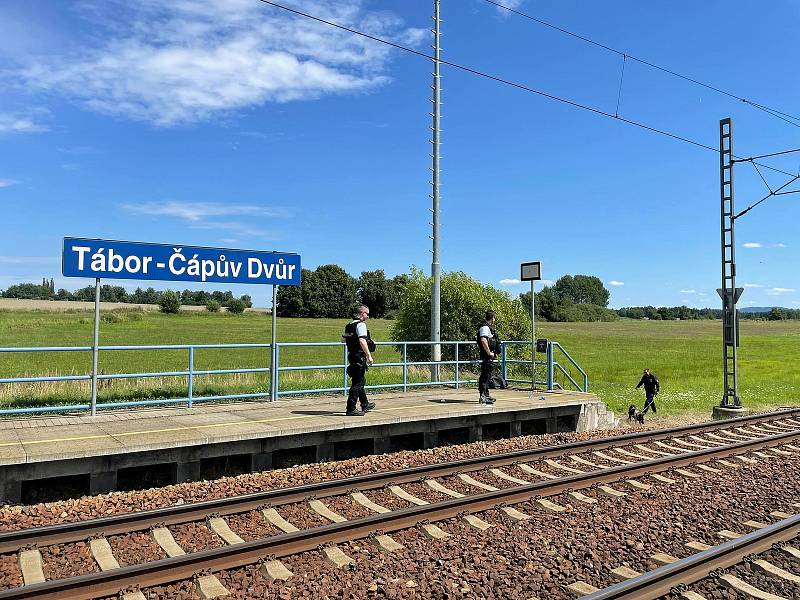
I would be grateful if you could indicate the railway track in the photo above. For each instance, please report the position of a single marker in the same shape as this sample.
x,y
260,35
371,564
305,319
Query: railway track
x,y
676,576
601,462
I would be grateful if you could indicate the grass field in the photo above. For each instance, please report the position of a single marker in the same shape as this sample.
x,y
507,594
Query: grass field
x,y
686,356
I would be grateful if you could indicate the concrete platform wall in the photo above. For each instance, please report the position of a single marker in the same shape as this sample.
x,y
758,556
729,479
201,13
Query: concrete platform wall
x,y
97,474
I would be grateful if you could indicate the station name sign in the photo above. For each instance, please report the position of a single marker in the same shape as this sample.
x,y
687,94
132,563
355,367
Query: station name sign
x,y
169,262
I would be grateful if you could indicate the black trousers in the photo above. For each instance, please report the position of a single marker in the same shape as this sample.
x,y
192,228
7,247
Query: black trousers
x,y
486,373
358,379
649,403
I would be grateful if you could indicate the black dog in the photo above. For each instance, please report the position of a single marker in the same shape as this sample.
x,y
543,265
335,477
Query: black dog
x,y
634,414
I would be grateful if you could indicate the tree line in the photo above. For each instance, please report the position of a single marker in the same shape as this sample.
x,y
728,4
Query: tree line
x,y
116,293
331,292
684,313
572,298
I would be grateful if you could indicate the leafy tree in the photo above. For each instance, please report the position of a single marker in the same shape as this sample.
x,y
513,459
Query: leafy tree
x,y
112,293
397,286
582,289
29,291
777,314
290,298
464,301
213,306
236,306
330,292
170,302
373,290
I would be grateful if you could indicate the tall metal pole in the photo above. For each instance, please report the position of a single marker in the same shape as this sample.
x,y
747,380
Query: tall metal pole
x,y
95,343
728,243
273,369
533,338
435,141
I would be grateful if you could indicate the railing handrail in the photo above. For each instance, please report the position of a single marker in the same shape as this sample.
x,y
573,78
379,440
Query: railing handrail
x,y
574,364
190,372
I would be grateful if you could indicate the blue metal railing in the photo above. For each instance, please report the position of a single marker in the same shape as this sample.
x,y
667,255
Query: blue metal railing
x,y
191,372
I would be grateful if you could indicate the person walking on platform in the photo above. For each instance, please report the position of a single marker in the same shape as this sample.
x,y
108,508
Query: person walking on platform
x,y
651,389
359,356
487,346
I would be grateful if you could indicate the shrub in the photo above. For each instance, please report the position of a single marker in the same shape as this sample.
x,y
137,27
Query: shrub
x,y
236,306
213,306
464,302
170,302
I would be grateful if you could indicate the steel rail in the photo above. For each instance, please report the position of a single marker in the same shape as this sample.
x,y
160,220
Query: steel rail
x,y
12,541
109,583
663,580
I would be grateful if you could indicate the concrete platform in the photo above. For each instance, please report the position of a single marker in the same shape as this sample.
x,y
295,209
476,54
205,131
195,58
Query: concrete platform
x,y
99,453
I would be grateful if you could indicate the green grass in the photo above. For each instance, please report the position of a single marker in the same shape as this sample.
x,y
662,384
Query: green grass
x,y
686,356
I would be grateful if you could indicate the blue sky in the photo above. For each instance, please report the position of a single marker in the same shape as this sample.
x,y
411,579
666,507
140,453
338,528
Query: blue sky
x,y
230,123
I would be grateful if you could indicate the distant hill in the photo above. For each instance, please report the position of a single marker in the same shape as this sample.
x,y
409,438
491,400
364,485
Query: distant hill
x,y
758,309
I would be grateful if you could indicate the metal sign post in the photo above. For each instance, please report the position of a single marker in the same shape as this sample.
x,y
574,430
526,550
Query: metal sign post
x,y
532,271
273,370
95,343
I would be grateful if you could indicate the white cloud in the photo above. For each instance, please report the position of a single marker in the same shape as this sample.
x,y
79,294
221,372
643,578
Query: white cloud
x,y
195,212
235,227
512,4
688,291
186,61
777,291
4,183
760,245
752,285
17,123
79,150
616,283
509,281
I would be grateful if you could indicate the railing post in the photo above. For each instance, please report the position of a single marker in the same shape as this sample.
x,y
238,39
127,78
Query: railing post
x,y
344,370
191,375
277,375
503,363
405,367
549,366
95,344
456,377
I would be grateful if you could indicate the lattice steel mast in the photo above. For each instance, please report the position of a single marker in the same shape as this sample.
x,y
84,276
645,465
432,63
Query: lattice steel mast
x,y
728,292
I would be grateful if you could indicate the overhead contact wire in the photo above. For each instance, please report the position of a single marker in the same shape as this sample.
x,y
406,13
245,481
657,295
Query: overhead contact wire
x,y
788,118
507,82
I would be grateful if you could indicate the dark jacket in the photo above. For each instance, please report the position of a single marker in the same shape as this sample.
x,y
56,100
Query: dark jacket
x,y
493,342
650,383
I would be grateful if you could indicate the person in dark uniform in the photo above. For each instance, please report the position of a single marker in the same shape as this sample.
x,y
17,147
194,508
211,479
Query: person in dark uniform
x,y
487,346
359,357
651,389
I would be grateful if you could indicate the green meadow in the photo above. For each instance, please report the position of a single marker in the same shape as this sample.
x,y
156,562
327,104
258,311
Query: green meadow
x,y
686,356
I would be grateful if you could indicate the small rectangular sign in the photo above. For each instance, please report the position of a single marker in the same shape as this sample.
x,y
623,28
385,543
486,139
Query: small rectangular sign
x,y
110,259
531,271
